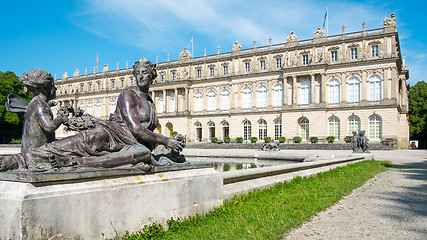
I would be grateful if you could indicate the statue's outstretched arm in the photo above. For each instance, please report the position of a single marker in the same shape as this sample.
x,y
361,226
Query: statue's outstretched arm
x,y
48,124
127,103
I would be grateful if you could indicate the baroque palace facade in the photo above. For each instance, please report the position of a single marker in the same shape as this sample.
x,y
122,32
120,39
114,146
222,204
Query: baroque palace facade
x,y
324,86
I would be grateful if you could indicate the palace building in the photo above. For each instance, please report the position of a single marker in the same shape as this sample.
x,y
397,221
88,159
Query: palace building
x,y
324,86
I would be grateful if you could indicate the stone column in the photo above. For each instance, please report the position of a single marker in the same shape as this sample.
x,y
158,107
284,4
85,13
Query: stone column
x,y
404,95
285,89
254,95
176,100
233,95
187,101
323,88
269,94
164,101
387,83
344,88
364,88
294,90
394,83
312,87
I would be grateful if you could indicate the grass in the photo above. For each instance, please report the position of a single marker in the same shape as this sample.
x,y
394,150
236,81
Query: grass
x,y
272,212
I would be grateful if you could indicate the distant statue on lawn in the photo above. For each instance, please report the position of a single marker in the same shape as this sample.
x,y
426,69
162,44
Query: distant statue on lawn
x,y
359,142
127,139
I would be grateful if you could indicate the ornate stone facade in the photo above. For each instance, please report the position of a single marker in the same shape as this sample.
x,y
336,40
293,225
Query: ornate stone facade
x,y
326,86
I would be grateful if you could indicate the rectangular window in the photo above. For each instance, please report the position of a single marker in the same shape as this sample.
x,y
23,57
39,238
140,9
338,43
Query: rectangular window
x,y
262,65
81,88
90,87
334,56
122,83
99,85
225,68
374,51
112,84
199,73
211,72
247,66
353,53
305,59
173,76
278,63
162,77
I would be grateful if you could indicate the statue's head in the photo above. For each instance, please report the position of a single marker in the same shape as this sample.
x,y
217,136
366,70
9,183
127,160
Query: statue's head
x,y
144,63
39,81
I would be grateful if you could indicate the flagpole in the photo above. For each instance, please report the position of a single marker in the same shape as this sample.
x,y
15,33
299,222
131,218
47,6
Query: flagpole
x,y
327,21
192,47
96,62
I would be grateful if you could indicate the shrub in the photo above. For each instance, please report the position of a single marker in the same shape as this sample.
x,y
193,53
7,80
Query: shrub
x,y
227,139
347,139
297,139
16,141
214,140
330,139
174,133
267,139
314,139
253,139
239,140
282,139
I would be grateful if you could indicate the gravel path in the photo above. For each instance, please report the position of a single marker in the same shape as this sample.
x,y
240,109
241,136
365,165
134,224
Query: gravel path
x,y
392,205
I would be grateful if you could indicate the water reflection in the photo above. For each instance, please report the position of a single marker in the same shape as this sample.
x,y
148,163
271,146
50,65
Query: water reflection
x,y
224,167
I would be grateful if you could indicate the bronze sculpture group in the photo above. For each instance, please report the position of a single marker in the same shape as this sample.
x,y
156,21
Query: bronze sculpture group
x,y
126,139
359,142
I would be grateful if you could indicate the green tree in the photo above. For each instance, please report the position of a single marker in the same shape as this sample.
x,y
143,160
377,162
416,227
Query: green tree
x,y
10,123
418,113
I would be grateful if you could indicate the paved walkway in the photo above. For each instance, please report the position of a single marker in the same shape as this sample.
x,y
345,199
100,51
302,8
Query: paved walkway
x,y
393,205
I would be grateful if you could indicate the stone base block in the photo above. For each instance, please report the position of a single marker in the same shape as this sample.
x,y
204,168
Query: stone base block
x,y
95,209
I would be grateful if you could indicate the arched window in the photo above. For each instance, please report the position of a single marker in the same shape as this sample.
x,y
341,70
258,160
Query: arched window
x,y
90,108
247,97
277,129
225,99
375,128
211,127
334,127
262,97
198,104
98,109
169,126
172,103
334,91
305,93
161,104
353,125
354,90
375,88
198,132
278,95
211,101
225,129
112,106
304,124
82,106
247,130
262,129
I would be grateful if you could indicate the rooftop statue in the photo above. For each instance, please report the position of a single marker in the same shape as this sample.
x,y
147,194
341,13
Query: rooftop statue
x,y
319,33
390,22
292,37
126,139
237,46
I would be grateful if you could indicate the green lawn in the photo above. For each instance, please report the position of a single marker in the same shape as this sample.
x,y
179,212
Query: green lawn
x,y
272,212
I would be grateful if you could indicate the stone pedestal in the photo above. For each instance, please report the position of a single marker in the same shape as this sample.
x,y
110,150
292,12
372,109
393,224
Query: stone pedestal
x,y
95,209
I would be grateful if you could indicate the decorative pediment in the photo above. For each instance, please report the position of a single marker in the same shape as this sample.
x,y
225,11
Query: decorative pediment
x,y
237,46
292,37
185,54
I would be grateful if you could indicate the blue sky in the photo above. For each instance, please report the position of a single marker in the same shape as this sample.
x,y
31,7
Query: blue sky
x,y
60,36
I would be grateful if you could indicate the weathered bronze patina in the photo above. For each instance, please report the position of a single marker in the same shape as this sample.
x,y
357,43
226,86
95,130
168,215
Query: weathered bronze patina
x,y
125,140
